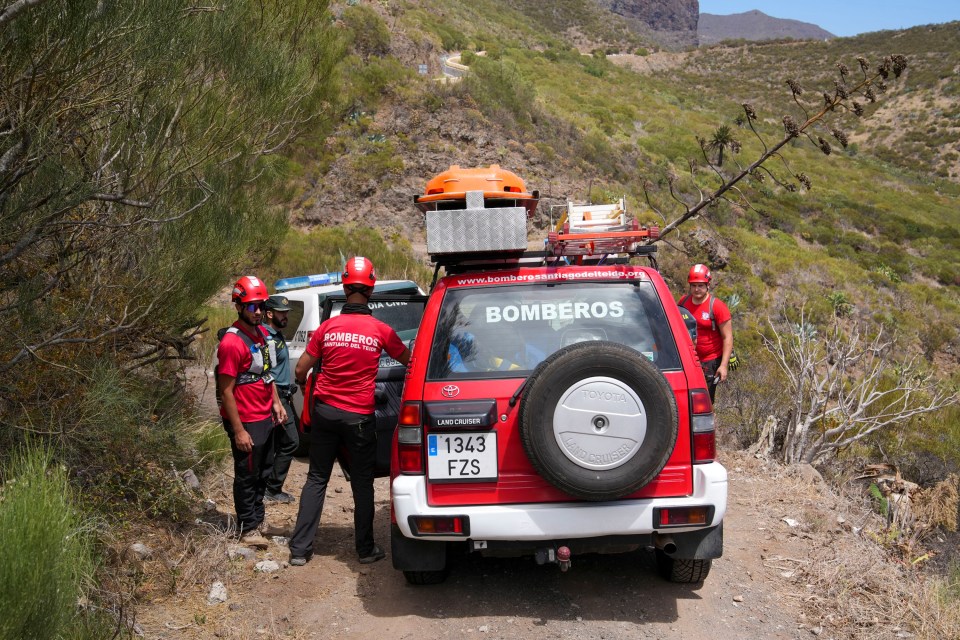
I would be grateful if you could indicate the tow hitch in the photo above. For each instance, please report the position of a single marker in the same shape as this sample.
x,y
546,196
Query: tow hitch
x,y
560,555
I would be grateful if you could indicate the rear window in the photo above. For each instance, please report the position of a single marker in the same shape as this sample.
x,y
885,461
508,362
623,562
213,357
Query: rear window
x,y
508,331
403,316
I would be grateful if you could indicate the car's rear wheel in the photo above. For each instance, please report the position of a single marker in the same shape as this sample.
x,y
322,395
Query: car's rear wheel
x,y
681,570
598,420
420,578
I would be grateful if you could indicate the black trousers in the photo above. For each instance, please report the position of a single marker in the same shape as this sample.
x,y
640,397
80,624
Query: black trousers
x,y
710,373
331,429
250,472
286,439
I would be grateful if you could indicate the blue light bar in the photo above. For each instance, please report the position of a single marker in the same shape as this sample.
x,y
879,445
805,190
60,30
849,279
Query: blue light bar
x,y
299,282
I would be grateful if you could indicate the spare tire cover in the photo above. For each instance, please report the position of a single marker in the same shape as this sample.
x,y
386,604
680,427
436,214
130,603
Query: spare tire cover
x,y
598,420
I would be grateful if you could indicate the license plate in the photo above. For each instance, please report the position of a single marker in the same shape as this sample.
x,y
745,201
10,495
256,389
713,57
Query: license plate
x,y
462,457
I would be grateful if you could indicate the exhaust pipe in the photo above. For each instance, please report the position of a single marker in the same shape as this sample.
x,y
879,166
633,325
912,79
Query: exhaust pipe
x,y
665,543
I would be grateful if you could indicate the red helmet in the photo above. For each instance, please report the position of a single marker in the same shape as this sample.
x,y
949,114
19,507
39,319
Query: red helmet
x,y
699,273
359,270
249,289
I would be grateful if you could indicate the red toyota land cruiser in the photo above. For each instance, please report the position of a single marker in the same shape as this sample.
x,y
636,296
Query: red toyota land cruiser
x,y
554,404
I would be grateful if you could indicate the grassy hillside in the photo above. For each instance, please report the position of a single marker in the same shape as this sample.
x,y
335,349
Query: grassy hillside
x,y
916,128
875,239
562,118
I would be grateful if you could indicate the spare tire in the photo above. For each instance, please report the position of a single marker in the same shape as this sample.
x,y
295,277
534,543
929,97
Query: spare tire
x,y
598,420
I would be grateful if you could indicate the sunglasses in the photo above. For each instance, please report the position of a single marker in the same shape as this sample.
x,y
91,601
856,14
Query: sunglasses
x,y
254,306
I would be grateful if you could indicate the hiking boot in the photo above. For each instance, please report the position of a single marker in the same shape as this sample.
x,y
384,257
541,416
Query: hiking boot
x,y
298,561
376,554
282,497
253,539
271,530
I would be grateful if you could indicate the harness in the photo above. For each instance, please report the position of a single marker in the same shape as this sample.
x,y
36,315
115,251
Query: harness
x,y
259,366
713,321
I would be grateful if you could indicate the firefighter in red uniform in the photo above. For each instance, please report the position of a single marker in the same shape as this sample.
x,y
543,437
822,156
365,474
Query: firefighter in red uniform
x,y
250,406
714,328
348,349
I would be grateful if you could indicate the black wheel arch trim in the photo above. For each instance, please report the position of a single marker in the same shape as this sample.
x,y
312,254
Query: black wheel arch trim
x,y
703,544
416,554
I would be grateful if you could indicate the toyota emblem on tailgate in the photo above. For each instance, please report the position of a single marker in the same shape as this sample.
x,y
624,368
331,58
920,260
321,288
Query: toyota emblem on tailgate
x,y
450,391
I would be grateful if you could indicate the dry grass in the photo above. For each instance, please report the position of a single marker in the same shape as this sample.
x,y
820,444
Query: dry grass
x,y
852,582
937,506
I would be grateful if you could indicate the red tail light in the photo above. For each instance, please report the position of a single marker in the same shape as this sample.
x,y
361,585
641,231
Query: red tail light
x,y
410,415
704,427
440,525
410,439
682,516
700,402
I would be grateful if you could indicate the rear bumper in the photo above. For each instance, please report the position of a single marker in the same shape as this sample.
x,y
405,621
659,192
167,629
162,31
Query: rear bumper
x,y
561,520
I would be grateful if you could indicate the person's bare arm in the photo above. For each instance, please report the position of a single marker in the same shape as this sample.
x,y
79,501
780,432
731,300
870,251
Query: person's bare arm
x,y
279,413
304,365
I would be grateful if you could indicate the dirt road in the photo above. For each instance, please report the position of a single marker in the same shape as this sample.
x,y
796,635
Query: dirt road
x,y
749,593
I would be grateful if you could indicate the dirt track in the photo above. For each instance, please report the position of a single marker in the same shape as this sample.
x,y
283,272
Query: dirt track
x,y
747,595
799,561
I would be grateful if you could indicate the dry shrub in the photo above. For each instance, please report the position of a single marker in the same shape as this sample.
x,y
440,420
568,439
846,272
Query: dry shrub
x,y
846,581
750,395
938,606
937,506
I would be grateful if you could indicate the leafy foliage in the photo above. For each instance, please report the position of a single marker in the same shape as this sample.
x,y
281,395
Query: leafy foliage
x,y
367,32
133,181
46,559
327,248
502,92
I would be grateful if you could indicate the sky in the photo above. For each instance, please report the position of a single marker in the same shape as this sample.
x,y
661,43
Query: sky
x,y
846,17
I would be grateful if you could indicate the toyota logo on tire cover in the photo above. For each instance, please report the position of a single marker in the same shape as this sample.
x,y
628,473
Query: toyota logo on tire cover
x,y
450,391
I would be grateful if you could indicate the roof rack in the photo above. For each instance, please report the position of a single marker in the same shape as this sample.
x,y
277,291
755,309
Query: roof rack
x,y
461,263
476,220
591,229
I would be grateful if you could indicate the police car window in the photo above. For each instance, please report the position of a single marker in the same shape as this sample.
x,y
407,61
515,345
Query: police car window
x,y
403,316
503,332
294,317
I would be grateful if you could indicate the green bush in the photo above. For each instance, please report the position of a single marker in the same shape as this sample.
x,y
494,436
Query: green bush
x,y
326,249
214,318
502,92
210,443
127,438
46,558
367,32
751,394
365,84
375,159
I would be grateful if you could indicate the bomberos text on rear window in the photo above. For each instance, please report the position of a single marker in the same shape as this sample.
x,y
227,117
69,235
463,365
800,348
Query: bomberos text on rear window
x,y
508,329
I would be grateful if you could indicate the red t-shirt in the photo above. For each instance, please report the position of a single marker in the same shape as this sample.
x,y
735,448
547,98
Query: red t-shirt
x,y
709,341
254,400
349,347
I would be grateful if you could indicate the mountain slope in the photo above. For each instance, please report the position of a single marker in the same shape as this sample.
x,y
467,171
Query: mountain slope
x,y
755,25
877,229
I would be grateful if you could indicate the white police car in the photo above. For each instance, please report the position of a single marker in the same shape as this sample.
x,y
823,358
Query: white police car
x,y
315,298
